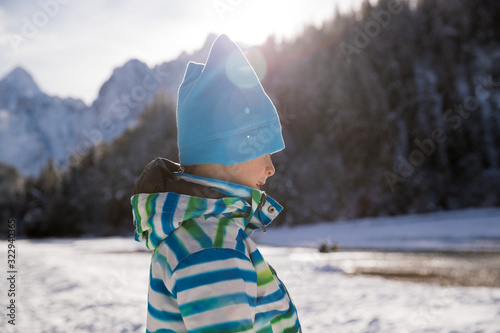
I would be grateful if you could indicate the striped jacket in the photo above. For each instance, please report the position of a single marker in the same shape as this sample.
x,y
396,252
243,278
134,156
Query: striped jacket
x,y
206,274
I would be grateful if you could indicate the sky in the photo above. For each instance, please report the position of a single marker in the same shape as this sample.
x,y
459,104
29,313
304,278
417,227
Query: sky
x,y
71,47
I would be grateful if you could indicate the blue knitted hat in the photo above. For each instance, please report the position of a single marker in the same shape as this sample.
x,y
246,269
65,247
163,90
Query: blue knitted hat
x,y
223,114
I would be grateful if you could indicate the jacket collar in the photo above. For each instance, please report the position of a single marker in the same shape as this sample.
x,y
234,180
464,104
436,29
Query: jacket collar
x,y
263,208
158,214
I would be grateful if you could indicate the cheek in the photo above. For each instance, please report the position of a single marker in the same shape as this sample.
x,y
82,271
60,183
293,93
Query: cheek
x,y
259,173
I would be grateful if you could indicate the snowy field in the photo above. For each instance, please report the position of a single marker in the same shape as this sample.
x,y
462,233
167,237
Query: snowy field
x,y
465,230
100,285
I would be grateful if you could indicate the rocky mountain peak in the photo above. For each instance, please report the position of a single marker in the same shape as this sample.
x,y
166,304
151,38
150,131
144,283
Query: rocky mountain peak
x,y
21,81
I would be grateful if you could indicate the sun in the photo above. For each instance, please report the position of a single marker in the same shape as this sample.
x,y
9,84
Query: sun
x,y
252,22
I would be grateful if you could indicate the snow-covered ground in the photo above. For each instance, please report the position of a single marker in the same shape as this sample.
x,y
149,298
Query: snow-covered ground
x,y
466,230
100,285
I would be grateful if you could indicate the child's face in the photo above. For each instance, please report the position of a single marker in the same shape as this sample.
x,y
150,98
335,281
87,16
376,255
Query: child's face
x,y
252,173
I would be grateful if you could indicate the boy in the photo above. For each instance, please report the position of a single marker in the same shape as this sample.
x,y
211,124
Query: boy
x,y
206,274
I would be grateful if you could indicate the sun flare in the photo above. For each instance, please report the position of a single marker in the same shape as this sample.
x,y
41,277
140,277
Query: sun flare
x,y
253,22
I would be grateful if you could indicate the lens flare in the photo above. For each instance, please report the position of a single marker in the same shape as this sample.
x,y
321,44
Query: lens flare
x,y
236,70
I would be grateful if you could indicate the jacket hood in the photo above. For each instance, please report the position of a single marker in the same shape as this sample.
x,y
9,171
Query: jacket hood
x,y
164,198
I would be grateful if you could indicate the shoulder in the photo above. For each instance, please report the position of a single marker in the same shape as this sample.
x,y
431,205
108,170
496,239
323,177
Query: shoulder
x,y
217,258
213,267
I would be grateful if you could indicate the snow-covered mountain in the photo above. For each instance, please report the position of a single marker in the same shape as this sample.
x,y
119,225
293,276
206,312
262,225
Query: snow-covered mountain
x,y
36,127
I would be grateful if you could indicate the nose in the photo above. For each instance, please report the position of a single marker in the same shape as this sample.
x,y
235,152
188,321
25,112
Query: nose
x,y
270,167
